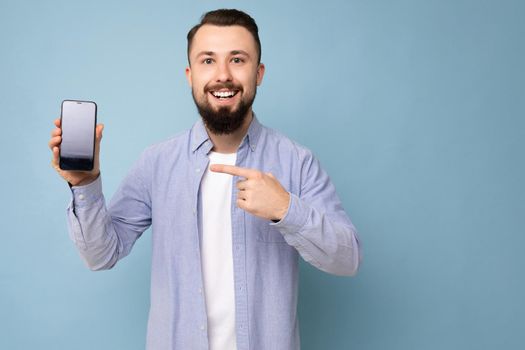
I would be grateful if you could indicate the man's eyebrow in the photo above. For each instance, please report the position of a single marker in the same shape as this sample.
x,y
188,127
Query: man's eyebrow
x,y
206,53
239,52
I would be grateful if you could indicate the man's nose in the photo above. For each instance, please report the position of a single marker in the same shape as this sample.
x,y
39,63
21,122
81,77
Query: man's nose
x,y
223,72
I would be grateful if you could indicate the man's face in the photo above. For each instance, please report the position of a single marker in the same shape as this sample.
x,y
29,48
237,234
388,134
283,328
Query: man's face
x,y
224,75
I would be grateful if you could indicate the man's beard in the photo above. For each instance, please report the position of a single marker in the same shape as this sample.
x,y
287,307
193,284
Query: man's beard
x,y
224,120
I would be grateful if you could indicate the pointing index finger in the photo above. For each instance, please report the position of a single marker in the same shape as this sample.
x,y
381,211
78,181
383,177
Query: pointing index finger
x,y
233,170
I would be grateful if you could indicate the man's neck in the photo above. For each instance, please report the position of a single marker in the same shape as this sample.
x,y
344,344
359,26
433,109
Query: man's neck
x,y
229,143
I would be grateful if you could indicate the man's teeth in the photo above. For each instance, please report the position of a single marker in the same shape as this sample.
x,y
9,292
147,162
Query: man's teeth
x,y
223,94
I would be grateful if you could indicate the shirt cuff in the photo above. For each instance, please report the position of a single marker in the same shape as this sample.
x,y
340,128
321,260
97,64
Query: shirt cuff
x,y
295,218
84,196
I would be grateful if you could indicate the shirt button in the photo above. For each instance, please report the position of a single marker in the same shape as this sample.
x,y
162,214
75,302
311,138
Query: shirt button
x,y
202,327
200,291
81,196
193,211
197,170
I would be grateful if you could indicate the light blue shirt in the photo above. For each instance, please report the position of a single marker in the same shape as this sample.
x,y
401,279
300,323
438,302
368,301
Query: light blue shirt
x,y
162,191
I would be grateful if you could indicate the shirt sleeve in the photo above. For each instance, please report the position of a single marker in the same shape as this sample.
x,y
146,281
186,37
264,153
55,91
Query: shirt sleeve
x,y
103,235
317,225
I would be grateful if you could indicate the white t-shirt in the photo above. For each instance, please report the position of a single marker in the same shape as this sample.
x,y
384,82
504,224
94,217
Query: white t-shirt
x,y
216,253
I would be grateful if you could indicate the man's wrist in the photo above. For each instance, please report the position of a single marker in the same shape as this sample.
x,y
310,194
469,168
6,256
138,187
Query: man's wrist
x,y
283,210
86,181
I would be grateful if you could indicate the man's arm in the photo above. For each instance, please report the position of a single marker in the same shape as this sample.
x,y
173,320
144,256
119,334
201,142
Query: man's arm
x,y
102,236
313,221
317,225
105,235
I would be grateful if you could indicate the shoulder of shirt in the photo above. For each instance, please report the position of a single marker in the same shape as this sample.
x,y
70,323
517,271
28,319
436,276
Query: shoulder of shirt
x,y
284,143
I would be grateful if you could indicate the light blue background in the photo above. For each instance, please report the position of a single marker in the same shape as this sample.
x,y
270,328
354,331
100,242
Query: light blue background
x,y
415,108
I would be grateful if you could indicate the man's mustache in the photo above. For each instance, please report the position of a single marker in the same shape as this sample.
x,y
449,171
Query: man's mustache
x,y
226,85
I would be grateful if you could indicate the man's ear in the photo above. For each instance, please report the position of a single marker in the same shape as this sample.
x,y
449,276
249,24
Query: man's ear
x,y
188,75
260,73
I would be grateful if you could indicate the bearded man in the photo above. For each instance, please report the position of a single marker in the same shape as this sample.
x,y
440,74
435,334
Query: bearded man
x,y
232,205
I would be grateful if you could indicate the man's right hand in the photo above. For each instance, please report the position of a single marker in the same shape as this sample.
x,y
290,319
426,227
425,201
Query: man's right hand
x,y
75,178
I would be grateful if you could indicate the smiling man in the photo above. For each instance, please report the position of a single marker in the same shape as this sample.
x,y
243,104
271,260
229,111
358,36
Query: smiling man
x,y
232,206
224,73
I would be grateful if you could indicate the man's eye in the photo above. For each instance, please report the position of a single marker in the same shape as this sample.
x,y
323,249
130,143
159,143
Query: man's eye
x,y
237,60
207,61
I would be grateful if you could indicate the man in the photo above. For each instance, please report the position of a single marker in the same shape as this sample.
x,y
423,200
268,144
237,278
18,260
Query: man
x,y
232,204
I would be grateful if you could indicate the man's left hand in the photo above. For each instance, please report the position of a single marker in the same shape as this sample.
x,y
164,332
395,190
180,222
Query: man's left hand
x,y
259,193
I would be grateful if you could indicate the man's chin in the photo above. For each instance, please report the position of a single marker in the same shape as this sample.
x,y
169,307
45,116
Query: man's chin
x,y
223,121
224,109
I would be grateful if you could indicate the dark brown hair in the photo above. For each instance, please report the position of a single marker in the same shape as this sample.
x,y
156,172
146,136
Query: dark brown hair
x,y
227,17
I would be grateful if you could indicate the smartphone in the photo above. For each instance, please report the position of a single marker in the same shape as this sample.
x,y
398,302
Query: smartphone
x,y
78,122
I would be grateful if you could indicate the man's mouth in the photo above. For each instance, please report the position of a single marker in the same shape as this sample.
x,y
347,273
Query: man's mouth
x,y
224,94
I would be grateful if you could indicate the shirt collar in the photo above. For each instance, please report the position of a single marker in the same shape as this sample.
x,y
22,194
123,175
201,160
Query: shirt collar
x,y
201,137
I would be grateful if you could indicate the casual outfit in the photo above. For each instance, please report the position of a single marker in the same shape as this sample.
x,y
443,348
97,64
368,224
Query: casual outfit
x,y
215,267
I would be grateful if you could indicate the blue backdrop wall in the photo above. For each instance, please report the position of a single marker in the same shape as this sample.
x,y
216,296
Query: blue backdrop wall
x,y
415,108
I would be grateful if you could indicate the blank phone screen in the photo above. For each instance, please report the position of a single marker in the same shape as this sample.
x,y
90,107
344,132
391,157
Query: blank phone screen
x,y
78,135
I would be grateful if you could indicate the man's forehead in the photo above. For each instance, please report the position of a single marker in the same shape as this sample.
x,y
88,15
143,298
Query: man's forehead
x,y
220,39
